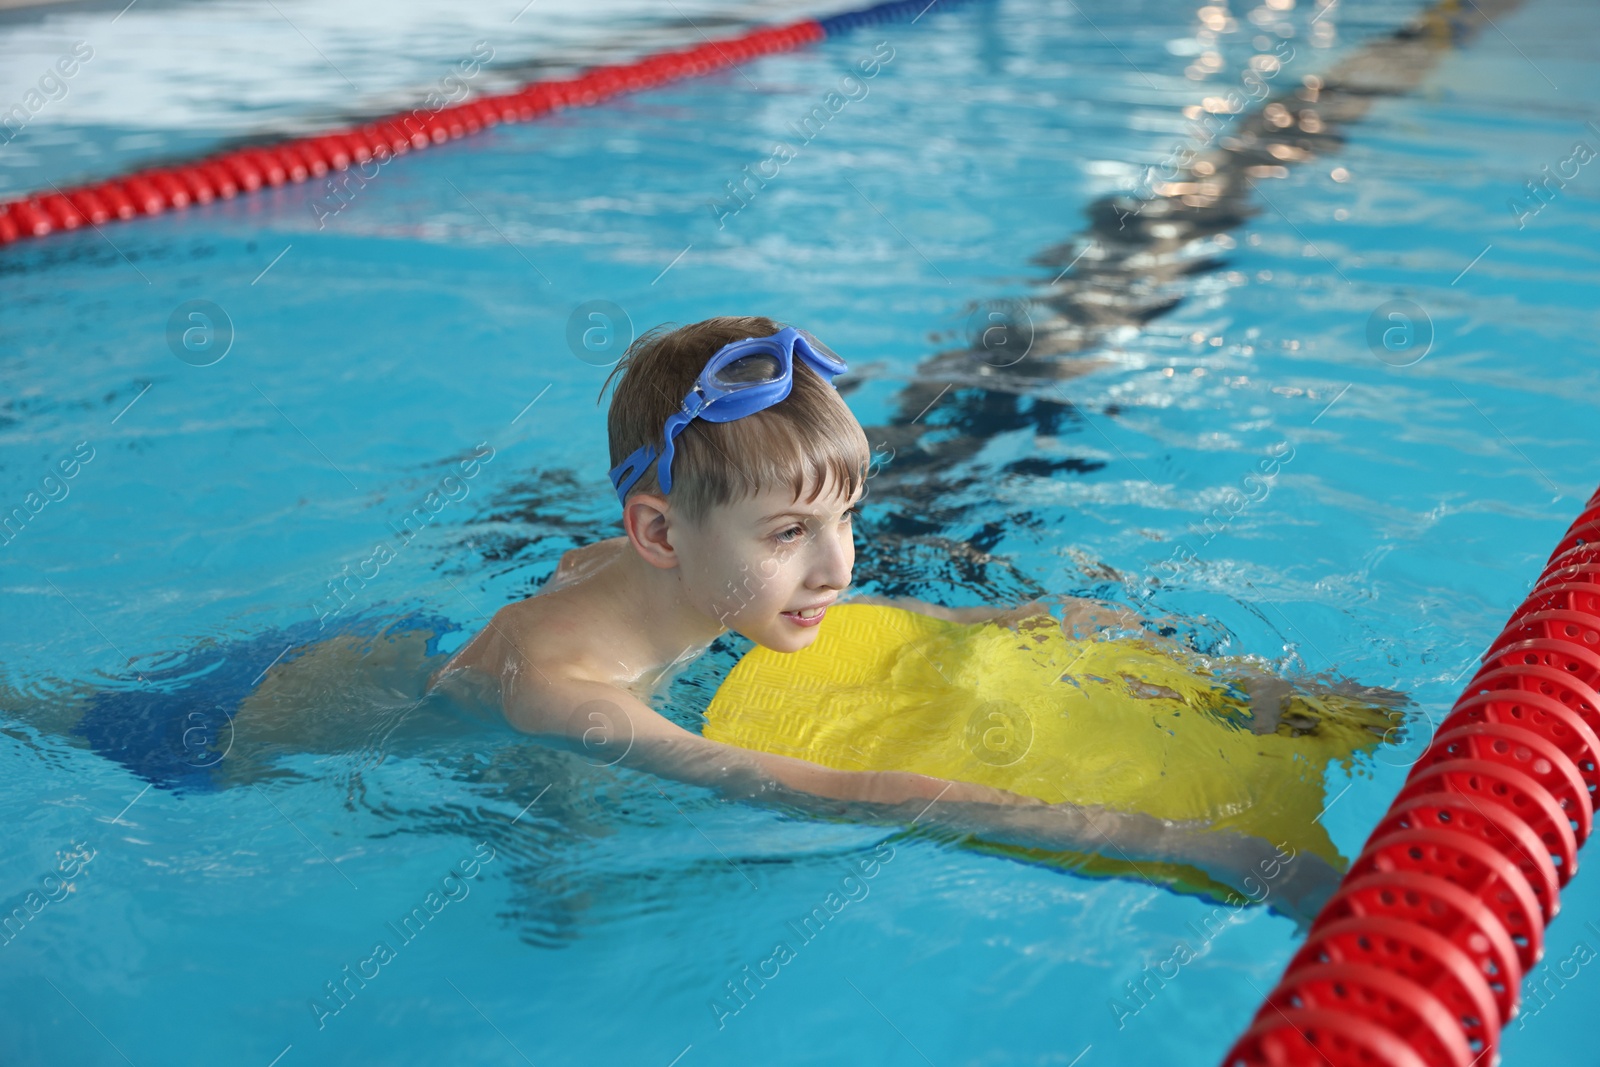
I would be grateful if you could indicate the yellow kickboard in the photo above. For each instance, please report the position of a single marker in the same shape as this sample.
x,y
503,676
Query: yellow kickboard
x,y
1119,723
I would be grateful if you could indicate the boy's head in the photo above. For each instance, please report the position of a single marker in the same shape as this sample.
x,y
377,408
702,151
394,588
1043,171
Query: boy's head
x,y
727,523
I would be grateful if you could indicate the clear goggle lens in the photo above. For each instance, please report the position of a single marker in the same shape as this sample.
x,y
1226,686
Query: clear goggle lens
x,y
749,370
821,349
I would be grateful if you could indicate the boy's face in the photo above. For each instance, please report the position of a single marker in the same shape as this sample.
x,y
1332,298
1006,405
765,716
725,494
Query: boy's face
x,y
755,560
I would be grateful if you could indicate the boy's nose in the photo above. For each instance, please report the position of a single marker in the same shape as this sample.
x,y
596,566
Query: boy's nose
x,y
833,562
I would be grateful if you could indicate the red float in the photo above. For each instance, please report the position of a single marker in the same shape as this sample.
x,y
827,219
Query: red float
x,y
1491,823
1521,750
1571,595
1447,910
1521,795
220,179
1558,685
170,188
1538,714
62,215
1575,661
1566,566
94,209
1413,952
145,196
1582,533
1574,627
1467,862
1399,1005
116,198
1319,1037
31,219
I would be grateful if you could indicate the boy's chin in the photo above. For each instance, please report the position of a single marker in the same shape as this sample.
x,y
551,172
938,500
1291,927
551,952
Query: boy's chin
x,y
782,636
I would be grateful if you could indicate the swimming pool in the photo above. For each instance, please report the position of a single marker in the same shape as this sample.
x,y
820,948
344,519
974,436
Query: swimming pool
x,y
211,506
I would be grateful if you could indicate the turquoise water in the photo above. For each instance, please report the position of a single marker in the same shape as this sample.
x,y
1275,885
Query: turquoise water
x,y
429,318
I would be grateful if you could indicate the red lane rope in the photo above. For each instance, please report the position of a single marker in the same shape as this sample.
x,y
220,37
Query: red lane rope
x,y
1419,955
242,170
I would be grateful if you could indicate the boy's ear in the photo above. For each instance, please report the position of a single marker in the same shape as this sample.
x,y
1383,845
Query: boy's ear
x,y
647,523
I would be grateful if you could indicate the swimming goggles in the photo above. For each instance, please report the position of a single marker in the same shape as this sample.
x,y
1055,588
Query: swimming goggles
x,y
744,377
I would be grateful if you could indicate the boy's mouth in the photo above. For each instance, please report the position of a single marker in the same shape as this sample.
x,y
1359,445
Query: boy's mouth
x,y
808,617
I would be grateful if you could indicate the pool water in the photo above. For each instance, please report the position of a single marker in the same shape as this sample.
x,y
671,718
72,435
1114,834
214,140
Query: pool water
x,y
535,905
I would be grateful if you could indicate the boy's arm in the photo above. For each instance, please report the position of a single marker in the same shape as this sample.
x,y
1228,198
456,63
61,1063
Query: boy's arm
x,y
922,607
615,727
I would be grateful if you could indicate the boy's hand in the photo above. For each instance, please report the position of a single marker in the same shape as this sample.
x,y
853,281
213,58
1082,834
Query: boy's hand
x,y
1294,884
1081,617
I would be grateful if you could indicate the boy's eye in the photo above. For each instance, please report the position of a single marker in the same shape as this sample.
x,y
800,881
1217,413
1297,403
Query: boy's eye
x,y
787,536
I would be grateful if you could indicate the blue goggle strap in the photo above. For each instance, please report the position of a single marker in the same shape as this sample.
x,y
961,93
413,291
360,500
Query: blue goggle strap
x,y
624,474
675,424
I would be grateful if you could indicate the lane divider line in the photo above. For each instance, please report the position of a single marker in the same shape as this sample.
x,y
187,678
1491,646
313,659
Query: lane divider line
x,y
247,169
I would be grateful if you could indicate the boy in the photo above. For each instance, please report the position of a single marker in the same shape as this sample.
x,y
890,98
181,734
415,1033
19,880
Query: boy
x,y
739,469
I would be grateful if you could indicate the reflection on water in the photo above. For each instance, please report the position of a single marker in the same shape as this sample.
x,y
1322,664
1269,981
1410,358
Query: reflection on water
x,y
1138,259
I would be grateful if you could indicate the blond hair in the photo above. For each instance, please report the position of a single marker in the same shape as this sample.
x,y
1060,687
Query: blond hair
x,y
809,438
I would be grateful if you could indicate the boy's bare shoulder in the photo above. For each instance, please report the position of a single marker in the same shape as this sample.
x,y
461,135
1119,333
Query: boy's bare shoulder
x,y
537,632
579,563
566,683
554,629
556,647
